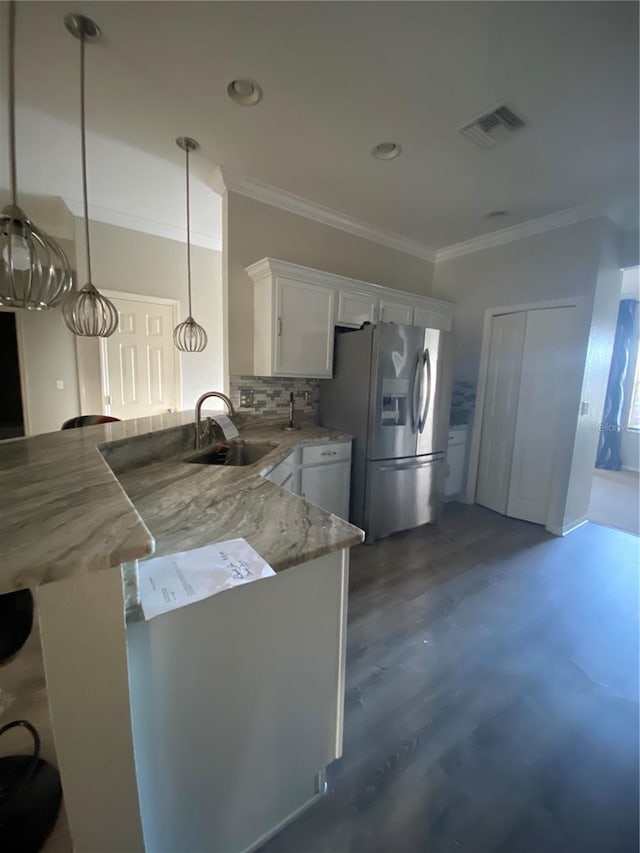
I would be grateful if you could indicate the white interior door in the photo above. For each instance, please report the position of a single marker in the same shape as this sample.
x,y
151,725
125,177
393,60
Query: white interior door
x,y
140,365
500,410
546,361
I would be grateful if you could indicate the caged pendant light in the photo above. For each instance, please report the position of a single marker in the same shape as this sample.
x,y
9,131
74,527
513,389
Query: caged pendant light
x,y
189,336
87,312
34,271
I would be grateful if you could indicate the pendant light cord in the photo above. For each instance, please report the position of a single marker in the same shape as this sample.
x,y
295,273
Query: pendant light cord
x,y
83,137
188,234
11,102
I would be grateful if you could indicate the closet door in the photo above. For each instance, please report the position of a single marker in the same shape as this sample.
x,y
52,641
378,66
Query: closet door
x,y
500,410
548,348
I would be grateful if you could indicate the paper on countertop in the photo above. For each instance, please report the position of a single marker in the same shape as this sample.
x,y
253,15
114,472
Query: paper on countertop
x,y
167,583
227,426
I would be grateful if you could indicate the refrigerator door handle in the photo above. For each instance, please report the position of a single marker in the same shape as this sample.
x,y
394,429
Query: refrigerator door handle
x,y
416,394
407,466
426,370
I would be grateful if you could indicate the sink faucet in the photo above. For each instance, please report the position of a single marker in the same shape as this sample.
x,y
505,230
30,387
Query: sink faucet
x,y
201,400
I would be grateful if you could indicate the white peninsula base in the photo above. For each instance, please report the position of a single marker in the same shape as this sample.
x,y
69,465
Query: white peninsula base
x,y
237,708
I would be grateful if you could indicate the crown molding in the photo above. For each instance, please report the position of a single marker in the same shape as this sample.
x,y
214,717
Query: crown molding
x,y
225,180
147,226
516,232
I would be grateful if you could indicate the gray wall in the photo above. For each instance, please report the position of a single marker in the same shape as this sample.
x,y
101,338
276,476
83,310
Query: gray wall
x,y
132,262
552,265
578,261
601,334
125,261
254,230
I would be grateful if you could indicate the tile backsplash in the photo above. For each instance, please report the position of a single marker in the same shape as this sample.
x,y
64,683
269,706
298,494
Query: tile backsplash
x,y
463,401
271,396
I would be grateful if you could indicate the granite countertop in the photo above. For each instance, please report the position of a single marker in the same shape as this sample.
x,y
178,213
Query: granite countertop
x,y
65,511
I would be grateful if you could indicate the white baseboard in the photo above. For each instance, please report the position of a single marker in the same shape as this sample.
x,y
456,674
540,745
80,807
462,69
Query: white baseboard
x,y
568,528
280,826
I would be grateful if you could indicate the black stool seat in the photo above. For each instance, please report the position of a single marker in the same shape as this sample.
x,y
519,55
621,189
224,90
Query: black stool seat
x,y
30,797
16,621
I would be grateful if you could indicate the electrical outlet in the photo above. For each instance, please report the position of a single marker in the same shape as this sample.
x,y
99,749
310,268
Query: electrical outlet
x,y
59,384
246,398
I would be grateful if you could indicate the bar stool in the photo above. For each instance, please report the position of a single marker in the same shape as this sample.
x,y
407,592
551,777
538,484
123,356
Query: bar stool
x,y
88,420
16,621
30,796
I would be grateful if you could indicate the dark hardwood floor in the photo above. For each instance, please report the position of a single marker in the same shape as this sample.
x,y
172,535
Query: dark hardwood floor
x,y
492,695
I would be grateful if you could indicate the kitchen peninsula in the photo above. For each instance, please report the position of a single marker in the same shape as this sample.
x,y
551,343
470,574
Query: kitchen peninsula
x,y
210,726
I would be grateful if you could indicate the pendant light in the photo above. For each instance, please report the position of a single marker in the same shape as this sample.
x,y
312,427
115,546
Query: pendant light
x,y
87,313
34,271
188,336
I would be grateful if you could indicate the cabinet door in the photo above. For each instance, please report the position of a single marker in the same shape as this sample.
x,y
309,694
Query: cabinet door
x,y
394,312
455,462
327,486
432,319
304,329
356,308
422,317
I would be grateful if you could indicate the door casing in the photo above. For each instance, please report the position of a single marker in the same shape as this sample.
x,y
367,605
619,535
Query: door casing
x,y
139,297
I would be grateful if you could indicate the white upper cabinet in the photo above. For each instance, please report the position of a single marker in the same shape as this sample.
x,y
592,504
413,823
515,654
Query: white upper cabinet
x,y
395,312
432,319
356,307
293,324
295,311
304,329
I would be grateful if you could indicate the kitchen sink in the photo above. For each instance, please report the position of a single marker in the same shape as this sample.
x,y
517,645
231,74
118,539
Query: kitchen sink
x,y
232,454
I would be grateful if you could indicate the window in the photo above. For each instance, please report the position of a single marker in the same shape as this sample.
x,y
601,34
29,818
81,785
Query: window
x,y
634,405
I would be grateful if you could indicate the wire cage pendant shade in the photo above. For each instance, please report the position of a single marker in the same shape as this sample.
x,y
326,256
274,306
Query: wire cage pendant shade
x,y
34,270
87,313
189,336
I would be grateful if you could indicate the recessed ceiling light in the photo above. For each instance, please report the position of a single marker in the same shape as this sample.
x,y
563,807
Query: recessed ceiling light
x,y
244,92
496,214
386,151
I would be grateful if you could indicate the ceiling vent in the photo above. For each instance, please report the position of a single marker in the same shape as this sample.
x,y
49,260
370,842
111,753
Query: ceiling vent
x,y
491,128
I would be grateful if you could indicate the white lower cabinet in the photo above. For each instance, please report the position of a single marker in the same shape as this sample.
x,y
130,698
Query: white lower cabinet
x,y
327,486
320,473
456,455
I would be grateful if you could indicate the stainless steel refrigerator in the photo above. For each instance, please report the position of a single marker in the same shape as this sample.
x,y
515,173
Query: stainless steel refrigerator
x,y
392,391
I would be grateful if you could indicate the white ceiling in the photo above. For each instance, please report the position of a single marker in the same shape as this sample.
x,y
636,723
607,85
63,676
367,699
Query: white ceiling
x,y
338,78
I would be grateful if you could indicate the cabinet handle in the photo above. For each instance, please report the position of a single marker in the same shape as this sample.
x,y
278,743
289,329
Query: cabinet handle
x,y
279,327
329,453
